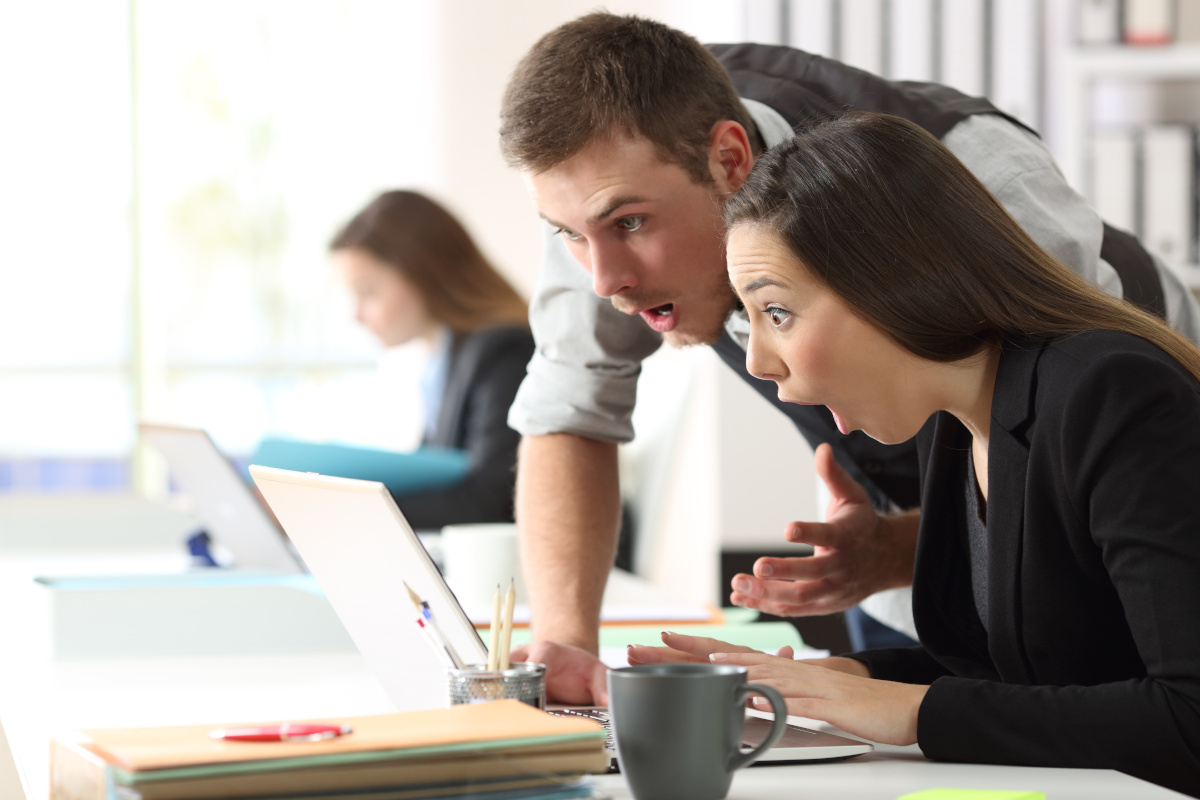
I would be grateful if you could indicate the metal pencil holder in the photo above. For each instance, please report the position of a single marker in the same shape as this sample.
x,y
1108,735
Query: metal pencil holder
x,y
475,683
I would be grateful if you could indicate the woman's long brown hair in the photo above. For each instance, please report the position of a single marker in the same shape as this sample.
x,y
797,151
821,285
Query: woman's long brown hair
x,y
424,242
881,212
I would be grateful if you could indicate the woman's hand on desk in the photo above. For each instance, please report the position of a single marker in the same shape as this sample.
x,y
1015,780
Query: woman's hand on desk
x,y
683,648
857,552
838,691
573,675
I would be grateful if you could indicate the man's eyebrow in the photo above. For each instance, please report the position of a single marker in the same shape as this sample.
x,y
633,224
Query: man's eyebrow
x,y
607,211
755,285
612,206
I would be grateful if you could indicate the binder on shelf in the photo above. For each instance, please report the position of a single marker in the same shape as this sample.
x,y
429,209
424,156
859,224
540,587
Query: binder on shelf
x,y
1167,176
1148,22
861,34
1187,24
1015,60
764,22
811,26
1113,183
964,26
911,40
1194,241
1098,21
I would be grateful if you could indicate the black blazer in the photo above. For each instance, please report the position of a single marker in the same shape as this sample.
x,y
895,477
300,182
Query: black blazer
x,y
486,367
1091,655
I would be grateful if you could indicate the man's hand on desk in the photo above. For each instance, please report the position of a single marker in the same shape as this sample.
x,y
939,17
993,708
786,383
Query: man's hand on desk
x,y
573,675
857,552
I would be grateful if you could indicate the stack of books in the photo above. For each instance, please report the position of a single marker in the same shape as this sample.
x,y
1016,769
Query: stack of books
x,y
489,751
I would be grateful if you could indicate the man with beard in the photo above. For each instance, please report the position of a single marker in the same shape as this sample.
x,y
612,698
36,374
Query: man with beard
x,y
630,135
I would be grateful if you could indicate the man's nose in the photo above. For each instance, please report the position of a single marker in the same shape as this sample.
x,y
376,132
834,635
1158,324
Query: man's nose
x,y
612,271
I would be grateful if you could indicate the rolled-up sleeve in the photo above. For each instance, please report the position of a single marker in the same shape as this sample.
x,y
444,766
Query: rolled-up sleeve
x,y
583,376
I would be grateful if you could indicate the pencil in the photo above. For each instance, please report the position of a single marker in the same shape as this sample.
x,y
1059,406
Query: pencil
x,y
510,599
494,639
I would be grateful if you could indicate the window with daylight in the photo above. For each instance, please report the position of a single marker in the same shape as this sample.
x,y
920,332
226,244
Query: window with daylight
x,y
173,173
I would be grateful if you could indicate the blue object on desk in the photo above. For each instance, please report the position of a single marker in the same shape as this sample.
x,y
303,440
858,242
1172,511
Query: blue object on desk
x,y
198,545
402,473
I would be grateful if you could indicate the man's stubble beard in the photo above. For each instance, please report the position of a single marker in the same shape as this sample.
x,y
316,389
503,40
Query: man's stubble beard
x,y
714,328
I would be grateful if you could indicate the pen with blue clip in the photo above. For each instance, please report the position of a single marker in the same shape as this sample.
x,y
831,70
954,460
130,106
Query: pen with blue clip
x,y
433,633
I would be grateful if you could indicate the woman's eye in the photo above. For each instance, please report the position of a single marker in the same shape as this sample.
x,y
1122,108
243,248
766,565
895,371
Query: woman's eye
x,y
777,315
630,224
570,236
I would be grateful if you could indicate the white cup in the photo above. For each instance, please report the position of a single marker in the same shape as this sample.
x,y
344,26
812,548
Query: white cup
x,y
478,557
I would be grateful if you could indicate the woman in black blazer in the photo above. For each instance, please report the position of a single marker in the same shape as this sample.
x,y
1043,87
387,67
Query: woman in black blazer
x,y
1058,560
415,272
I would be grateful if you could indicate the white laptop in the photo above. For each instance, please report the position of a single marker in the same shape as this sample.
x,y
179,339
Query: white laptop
x,y
225,505
361,550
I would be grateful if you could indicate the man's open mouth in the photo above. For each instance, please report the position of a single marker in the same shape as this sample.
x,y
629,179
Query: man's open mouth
x,y
661,318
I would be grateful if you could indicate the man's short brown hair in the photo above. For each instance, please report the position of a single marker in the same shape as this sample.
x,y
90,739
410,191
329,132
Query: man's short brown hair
x,y
604,75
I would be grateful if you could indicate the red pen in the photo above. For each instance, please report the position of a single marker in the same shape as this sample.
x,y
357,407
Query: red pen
x,y
287,732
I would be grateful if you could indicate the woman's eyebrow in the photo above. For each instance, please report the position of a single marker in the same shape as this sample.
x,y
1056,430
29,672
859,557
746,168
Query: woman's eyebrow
x,y
755,285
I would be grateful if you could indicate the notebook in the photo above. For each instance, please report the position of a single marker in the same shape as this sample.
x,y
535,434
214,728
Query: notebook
x,y
361,550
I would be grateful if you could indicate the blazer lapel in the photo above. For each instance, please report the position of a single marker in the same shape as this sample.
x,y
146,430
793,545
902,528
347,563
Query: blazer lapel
x,y
446,432
1008,458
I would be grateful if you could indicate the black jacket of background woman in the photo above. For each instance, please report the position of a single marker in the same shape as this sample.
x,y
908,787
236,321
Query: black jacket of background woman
x,y
486,367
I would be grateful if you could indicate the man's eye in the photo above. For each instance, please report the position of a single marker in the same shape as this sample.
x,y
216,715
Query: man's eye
x,y
570,236
777,315
630,224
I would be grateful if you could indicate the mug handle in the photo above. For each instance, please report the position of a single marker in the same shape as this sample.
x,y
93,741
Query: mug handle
x,y
737,759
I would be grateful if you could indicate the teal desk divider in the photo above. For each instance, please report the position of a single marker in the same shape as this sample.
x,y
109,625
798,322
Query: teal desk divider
x,y
209,612
403,473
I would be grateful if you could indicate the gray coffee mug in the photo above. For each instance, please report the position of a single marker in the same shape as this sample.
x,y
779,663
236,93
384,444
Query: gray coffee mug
x,y
679,727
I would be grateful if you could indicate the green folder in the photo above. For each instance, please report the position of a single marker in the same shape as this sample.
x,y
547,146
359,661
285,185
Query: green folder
x,y
973,794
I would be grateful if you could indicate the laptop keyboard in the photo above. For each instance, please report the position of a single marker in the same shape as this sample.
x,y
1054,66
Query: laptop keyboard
x,y
599,715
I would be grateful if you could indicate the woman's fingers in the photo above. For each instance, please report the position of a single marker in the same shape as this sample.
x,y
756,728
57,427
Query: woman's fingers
x,y
644,654
701,645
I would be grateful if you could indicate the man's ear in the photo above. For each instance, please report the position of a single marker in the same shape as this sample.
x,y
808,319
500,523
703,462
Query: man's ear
x,y
730,157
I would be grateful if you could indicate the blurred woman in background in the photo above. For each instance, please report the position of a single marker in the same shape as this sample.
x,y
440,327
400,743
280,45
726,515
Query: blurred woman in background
x,y
415,272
